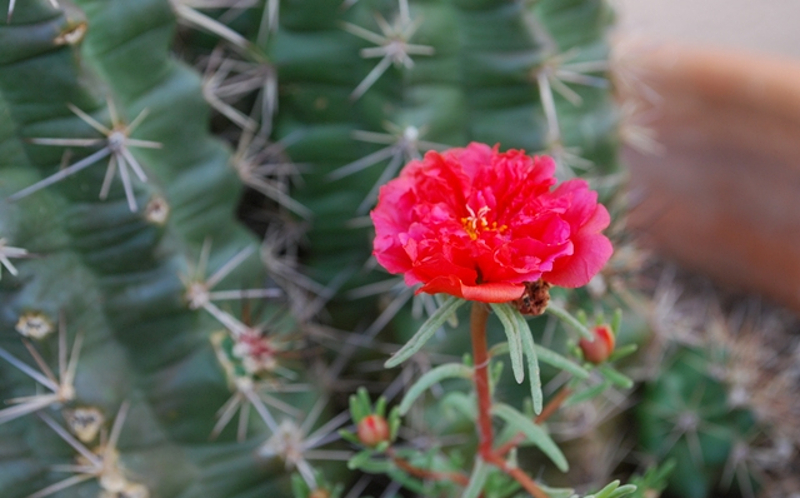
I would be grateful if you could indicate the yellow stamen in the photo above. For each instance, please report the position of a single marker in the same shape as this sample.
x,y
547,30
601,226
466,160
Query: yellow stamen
x,y
476,223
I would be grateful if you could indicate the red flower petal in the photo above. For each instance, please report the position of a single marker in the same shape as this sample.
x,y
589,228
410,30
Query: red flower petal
x,y
487,293
592,252
497,292
477,223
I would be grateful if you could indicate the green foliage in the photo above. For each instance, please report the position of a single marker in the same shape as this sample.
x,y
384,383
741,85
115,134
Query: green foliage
x,y
426,331
301,489
432,377
654,480
534,433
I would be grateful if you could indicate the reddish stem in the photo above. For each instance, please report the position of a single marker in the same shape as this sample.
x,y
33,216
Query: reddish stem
x,y
478,319
553,405
520,476
421,473
503,450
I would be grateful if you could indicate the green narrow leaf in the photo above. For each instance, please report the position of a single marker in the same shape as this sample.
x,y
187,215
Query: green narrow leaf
x,y
654,480
614,490
566,317
350,437
431,325
461,403
622,352
616,320
453,320
337,490
407,481
357,411
498,349
556,360
607,490
364,400
623,490
480,473
535,434
587,394
394,423
557,492
616,378
548,356
505,434
533,363
507,317
376,466
359,460
433,376
380,406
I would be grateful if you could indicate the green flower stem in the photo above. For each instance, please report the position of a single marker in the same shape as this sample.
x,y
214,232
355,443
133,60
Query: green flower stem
x,y
478,318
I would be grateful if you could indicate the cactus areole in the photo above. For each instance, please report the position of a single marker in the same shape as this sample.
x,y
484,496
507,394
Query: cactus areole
x,y
477,224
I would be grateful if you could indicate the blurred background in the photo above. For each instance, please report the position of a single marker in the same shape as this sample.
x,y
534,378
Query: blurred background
x,y
711,106
764,26
710,99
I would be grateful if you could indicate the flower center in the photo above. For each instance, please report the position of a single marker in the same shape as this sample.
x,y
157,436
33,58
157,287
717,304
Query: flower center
x,y
476,223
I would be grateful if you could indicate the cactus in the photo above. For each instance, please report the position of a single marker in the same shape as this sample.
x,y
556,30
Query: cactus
x,y
718,405
685,415
108,273
124,359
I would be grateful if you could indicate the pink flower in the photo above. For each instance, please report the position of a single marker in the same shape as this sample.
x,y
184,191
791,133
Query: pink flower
x,y
477,224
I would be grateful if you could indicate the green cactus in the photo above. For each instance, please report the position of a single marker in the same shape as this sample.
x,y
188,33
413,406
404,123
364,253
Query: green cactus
x,y
113,268
685,415
719,409
94,104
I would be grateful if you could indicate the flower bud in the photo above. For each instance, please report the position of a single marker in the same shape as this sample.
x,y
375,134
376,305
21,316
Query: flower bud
x,y
600,348
373,430
320,493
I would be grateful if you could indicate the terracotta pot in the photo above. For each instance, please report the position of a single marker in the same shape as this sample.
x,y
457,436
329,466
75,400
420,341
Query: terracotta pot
x,y
723,197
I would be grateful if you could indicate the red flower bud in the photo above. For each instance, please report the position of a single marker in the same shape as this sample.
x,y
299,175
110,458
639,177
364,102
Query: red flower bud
x,y
320,493
373,430
600,348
